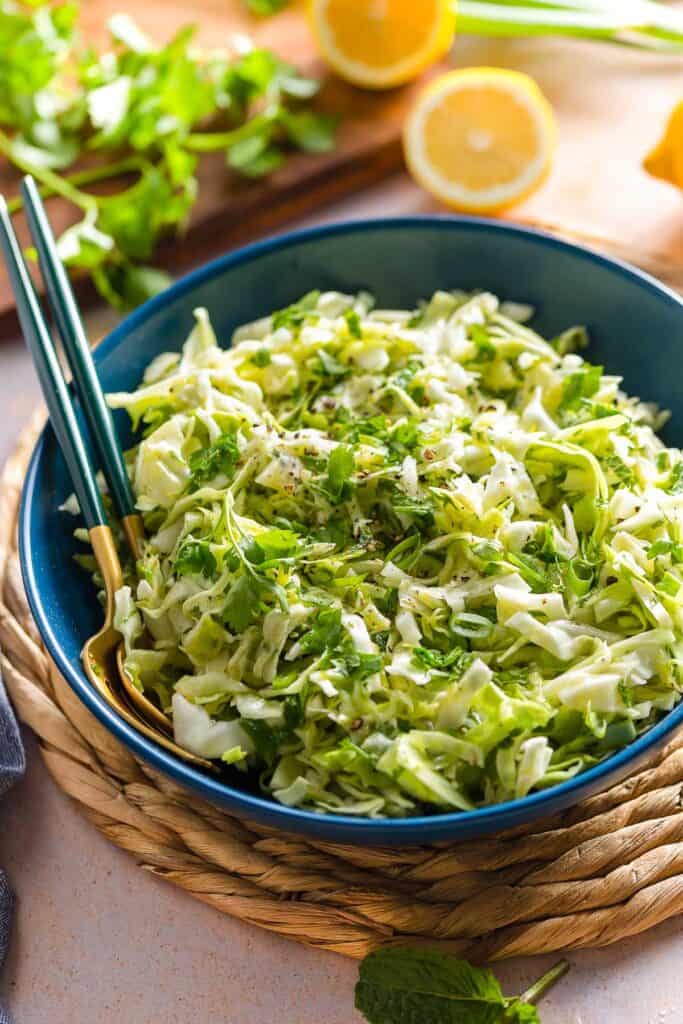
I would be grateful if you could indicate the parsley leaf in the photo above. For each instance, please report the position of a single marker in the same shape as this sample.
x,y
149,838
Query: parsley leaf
x,y
272,544
195,556
219,457
324,632
666,547
486,350
295,315
340,467
330,365
457,660
243,603
266,740
676,479
293,711
353,323
261,358
582,384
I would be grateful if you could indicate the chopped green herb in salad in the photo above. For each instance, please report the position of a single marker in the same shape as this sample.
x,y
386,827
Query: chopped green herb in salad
x,y
401,561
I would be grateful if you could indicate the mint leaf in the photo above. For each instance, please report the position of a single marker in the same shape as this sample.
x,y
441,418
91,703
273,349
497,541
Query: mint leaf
x,y
401,985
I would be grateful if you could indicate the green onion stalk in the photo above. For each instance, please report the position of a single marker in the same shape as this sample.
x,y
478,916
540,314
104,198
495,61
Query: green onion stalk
x,y
640,23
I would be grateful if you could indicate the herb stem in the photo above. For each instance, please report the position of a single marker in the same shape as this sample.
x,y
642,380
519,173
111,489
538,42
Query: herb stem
x,y
48,179
209,142
540,987
90,176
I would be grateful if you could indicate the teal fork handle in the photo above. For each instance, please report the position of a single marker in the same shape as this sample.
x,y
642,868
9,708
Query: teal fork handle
x,y
72,333
55,391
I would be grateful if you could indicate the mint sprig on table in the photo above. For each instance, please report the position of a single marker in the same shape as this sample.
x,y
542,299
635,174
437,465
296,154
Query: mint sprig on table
x,y
402,985
139,116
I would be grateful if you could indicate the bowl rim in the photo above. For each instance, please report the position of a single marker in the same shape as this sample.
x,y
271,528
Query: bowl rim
x,y
409,829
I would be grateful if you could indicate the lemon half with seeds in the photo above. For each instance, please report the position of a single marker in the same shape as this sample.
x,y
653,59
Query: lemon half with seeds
x,y
480,139
382,43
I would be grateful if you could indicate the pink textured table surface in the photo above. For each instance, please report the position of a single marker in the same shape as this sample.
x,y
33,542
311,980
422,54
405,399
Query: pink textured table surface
x,y
98,941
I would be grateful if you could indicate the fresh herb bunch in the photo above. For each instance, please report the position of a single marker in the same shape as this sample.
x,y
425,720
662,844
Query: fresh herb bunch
x,y
397,985
144,111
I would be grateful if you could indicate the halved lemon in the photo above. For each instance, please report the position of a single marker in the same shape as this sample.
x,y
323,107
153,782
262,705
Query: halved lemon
x,y
480,139
382,43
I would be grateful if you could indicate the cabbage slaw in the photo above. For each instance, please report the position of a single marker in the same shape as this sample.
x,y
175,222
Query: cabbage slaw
x,y
401,560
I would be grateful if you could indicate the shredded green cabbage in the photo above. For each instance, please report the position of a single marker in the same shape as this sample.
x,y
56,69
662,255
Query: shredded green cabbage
x,y
399,561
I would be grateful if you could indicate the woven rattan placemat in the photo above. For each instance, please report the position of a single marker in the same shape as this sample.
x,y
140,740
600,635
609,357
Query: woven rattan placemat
x,y
609,868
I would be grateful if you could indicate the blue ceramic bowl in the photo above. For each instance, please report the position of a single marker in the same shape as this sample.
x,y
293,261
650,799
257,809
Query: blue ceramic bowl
x,y
637,330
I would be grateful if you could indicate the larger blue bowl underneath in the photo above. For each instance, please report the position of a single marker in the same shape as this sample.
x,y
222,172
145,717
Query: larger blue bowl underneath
x,y
636,327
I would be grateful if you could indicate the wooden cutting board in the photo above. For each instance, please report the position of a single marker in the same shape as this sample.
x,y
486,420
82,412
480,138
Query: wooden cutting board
x,y
611,105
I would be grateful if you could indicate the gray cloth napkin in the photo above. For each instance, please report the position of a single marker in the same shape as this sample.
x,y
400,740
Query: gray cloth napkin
x,y
11,768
